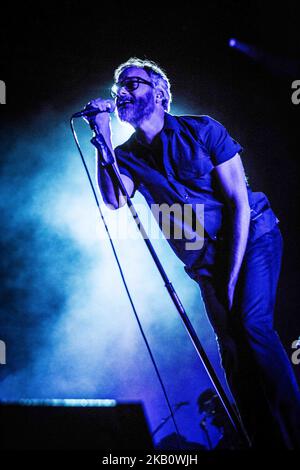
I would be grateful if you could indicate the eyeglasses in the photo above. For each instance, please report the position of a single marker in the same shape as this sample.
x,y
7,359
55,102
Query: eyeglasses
x,y
130,84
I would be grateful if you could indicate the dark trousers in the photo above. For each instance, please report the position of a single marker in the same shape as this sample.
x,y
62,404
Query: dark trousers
x,y
257,368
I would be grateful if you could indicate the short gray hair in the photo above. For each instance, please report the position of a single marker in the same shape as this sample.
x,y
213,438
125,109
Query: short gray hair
x,y
157,75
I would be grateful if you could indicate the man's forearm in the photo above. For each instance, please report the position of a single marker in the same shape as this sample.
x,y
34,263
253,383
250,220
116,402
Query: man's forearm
x,y
105,175
240,220
108,188
107,183
231,178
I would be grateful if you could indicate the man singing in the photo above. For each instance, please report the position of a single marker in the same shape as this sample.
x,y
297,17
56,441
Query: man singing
x,y
192,160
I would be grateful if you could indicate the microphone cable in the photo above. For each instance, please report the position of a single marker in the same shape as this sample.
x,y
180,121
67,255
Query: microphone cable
x,y
124,281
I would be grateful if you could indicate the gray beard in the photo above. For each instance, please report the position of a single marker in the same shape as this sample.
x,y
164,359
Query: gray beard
x,y
139,111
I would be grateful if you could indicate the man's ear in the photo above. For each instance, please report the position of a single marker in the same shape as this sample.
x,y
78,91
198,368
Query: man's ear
x,y
159,95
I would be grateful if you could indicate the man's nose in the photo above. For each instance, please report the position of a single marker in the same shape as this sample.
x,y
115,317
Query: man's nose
x,y
123,91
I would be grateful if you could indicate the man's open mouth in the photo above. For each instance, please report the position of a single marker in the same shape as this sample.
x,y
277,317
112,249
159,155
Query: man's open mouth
x,y
124,103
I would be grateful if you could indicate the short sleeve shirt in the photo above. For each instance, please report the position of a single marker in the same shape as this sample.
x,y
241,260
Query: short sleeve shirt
x,y
177,168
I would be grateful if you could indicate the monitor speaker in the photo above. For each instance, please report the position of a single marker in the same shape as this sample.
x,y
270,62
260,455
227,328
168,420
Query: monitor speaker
x,y
73,425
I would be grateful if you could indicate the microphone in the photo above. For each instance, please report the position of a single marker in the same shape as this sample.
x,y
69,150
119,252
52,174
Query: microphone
x,y
92,111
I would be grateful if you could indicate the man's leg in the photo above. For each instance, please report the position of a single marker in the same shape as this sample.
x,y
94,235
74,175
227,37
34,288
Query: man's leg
x,y
241,373
251,370
253,309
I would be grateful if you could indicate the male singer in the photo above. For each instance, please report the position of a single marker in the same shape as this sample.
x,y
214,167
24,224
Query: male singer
x,y
192,160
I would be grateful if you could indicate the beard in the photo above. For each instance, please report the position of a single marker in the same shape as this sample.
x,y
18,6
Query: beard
x,y
138,111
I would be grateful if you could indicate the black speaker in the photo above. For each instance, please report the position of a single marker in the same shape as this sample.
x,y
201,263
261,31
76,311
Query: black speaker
x,y
73,425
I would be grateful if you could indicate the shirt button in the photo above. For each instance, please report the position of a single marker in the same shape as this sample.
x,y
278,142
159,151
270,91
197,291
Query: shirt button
x,y
186,196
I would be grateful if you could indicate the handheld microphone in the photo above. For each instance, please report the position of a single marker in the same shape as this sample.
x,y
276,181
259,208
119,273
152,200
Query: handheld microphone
x,y
92,111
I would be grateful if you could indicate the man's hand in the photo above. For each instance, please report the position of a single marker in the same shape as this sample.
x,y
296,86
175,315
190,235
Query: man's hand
x,y
102,119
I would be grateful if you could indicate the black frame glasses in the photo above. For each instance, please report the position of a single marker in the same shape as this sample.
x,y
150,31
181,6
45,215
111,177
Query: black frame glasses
x,y
130,84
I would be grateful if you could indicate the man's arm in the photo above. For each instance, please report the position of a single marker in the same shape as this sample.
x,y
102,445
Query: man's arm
x,y
231,177
110,192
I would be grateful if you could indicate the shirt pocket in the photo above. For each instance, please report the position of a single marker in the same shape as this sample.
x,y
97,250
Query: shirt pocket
x,y
196,165
193,159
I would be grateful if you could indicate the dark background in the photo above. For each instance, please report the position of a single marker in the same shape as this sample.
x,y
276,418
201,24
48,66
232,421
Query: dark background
x,y
51,54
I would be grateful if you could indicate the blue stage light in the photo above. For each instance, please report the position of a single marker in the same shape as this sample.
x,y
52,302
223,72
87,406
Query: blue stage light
x,y
232,42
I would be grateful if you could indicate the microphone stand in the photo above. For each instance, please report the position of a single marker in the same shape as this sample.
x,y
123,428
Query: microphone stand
x,y
166,419
203,426
107,160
